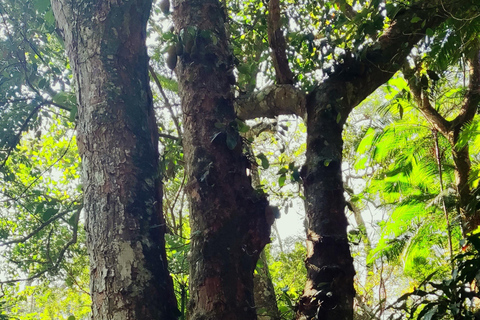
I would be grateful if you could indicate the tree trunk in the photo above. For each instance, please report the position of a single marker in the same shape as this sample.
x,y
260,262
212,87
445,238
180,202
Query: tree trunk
x,y
461,156
264,291
265,299
228,217
117,140
462,164
329,291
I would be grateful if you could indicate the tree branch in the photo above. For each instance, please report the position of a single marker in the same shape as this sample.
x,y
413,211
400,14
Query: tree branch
x,y
360,75
38,229
437,121
22,129
168,136
472,100
59,259
277,43
167,102
467,110
270,102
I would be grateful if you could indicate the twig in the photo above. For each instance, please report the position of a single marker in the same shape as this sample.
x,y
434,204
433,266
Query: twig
x,y
167,102
72,241
38,229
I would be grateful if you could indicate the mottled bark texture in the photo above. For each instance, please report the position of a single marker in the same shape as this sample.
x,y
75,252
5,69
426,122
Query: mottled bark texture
x,y
117,140
270,102
228,218
451,130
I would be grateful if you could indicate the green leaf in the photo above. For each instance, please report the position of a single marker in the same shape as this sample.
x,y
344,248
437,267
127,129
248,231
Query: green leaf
x,y
415,19
73,113
40,207
282,170
231,141
60,97
264,160
49,17
367,141
47,214
295,175
281,180
242,127
71,318
73,219
42,5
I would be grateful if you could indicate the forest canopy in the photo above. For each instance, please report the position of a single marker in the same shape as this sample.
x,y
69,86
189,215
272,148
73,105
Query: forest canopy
x,y
150,151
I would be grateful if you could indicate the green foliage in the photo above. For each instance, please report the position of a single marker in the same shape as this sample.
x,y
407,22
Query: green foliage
x,y
407,179
450,298
177,254
32,70
287,270
41,201
50,301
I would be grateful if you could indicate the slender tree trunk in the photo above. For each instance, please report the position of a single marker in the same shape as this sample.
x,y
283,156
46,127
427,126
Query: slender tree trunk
x,y
229,220
265,299
264,291
461,156
462,164
117,140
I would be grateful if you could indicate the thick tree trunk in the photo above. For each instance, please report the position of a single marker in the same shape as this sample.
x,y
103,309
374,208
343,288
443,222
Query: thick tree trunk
x,y
117,140
228,218
329,289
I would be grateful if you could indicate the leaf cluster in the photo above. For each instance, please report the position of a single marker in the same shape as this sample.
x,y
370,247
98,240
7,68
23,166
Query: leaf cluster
x,y
450,298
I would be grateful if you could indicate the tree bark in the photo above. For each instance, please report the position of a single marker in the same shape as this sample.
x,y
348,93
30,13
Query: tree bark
x,y
229,221
329,291
117,140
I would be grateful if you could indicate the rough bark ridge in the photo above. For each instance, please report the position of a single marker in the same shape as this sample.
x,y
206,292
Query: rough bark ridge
x,y
117,140
228,217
